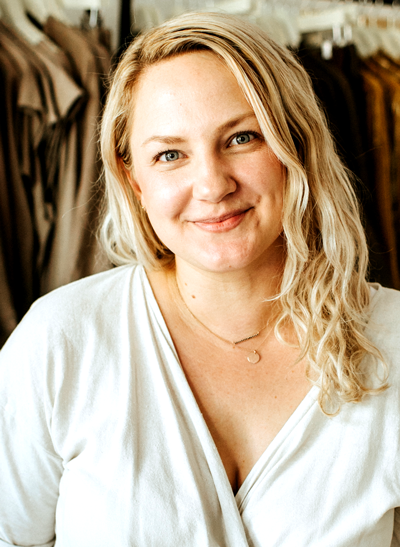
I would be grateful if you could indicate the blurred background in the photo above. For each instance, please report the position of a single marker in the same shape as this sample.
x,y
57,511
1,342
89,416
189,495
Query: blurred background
x,y
56,57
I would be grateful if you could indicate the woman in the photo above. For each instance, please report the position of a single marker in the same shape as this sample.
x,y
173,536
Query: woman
x,y
230,389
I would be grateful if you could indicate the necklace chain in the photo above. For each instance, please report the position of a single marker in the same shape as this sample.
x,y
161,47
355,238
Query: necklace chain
x,y
249,337
253,355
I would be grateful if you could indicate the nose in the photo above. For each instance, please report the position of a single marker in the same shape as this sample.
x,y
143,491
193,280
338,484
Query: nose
x,y
212,179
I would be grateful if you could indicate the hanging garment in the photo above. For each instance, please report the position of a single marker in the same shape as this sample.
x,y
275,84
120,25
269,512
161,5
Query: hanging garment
x,y
389,72
44,98
334,91
75,251
68,98
102,435
355,147
8,318
50,165
347,59
378,132
17,230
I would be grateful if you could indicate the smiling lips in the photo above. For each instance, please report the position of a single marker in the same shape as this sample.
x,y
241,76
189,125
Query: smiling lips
x,y
223,223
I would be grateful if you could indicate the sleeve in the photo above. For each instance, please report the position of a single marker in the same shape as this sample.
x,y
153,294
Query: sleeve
x,y
30,469
396,529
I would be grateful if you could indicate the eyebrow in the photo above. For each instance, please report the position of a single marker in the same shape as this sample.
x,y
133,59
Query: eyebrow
x,y
171,139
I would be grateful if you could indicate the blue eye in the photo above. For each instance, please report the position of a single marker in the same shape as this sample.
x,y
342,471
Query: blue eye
x,y
242,138
170,155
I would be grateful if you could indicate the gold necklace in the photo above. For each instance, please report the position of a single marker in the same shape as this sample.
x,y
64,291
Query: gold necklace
x,y
253,355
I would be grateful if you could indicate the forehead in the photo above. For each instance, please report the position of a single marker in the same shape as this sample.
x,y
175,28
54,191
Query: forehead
x,y
175,69
193,88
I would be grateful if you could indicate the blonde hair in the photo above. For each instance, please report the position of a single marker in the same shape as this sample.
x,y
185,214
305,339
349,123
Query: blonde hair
x,y
324,292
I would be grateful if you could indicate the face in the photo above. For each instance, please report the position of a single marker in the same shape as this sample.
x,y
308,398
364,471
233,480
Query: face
x,y
211,186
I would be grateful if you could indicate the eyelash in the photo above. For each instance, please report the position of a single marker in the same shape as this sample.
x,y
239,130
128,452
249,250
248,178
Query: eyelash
x,y
158,156
253,133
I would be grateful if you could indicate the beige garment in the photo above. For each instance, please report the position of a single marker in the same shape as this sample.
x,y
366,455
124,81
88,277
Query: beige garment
x,y
42,145
75,250
96,260
101,53
38,135
67,97
101,36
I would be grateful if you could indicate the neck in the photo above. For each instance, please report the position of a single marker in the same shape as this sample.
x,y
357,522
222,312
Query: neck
x,y
231,304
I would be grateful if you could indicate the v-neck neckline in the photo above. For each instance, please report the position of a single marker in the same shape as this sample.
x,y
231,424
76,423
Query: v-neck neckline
x,y
232,519
242,495
299,413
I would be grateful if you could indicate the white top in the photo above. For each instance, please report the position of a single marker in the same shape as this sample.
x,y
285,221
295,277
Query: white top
x,y
103,444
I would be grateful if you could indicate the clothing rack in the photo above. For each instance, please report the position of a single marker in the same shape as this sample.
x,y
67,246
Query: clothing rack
x,y
53,87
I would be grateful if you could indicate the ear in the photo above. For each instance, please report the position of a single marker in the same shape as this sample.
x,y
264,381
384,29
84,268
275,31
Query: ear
x,y
134,185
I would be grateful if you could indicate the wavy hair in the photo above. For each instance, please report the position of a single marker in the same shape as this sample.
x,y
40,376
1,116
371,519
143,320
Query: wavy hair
x,y
323,292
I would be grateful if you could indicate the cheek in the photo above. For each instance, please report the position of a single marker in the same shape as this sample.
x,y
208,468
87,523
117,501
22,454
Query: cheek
x,y
163,197
271,179
274,182
264,172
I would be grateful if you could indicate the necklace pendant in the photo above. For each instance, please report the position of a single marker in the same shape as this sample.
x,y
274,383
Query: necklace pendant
x,y
253,357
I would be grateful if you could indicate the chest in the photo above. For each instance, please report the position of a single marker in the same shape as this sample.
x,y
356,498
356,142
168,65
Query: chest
x,y
244,405
145,462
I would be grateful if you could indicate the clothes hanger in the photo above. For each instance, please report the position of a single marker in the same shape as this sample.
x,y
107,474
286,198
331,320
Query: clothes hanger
x,y
276,20
388,16
370,37
367,44
37,9
13,13
56,9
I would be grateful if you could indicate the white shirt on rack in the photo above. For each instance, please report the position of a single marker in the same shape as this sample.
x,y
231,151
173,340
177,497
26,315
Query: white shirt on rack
x,y
103,443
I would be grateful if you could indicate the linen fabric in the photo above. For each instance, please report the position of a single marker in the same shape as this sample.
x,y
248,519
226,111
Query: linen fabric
x,y
103,442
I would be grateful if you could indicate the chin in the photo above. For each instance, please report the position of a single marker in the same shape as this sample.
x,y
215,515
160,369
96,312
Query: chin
x,y
224,264
239,259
